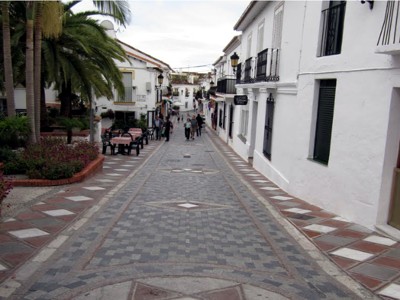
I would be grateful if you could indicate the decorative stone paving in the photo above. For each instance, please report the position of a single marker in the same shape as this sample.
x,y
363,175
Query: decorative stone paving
x,y
167,230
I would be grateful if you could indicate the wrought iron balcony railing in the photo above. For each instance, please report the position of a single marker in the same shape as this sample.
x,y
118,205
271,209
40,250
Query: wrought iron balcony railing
x,y
332,29
267,65
389,36
226,85
264,67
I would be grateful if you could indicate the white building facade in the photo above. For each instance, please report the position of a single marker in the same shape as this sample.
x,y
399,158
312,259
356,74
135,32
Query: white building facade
x,y
143,93
322,120
222,107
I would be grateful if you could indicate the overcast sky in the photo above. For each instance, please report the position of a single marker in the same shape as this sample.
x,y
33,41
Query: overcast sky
x,y
181,33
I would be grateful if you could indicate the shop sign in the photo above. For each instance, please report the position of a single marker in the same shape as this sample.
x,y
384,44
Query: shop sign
x,y
240,99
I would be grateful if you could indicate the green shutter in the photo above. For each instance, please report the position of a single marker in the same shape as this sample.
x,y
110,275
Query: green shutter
x,y
323,132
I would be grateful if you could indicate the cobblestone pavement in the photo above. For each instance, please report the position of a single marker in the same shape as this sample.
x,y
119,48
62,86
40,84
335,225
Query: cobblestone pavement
x,y
181,224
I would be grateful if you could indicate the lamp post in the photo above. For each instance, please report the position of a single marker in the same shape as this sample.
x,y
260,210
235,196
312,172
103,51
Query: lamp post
x,y
160,79
234,61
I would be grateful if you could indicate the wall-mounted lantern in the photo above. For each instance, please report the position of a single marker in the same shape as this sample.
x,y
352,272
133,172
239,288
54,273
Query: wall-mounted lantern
x,y
371,3
234,61
160,79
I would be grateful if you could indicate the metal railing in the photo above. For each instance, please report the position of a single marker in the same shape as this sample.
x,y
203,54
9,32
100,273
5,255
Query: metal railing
x,y
389,35
267,65
264,67
248,74
226,85
332,29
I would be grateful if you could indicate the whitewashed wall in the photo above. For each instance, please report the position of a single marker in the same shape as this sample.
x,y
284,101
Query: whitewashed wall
x,y
356,183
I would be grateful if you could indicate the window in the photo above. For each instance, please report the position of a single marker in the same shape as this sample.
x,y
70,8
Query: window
x,y
323,131
260,37
230,120
127,81
224,118
249,46
277,29
244,121
332,28
269,118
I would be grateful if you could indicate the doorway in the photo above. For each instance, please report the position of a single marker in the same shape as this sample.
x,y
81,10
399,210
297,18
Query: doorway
x,y
394,213
393,132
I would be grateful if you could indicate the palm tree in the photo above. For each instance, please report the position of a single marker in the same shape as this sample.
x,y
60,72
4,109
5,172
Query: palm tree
x,y
81,61
8,74
29,87
48,17
33,52
34,24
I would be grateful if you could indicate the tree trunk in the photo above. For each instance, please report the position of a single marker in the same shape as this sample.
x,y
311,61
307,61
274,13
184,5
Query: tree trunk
x,y
65,99
44,121
30,105
8,71
37,66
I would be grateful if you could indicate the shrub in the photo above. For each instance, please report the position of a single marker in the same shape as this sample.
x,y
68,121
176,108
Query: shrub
x,y
52,159
14,131
5,187
108,114
70,123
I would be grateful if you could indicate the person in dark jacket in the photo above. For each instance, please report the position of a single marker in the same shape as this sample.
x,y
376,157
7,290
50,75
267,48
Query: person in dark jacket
x,y
168,127
199,124
158,123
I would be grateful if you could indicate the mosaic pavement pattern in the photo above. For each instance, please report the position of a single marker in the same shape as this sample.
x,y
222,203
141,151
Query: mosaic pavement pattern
x,y
181,216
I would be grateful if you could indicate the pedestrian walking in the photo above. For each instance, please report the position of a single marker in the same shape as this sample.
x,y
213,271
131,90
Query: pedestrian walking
x,y
199,124
187,125
157,127
168,126
194,126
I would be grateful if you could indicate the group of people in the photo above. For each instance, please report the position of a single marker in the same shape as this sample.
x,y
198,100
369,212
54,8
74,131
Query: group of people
x,y
162,128
192,125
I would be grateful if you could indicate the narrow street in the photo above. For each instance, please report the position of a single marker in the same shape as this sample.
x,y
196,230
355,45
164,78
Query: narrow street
x,y
190,221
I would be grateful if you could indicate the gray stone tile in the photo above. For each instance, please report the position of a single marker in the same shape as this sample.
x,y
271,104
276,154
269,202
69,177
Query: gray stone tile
x,y
375,271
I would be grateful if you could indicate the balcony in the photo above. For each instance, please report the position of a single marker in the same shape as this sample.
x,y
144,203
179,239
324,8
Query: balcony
x,y
263,68
332,29
389,36
226,85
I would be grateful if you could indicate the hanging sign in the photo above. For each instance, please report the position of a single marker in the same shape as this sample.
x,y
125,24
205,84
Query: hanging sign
x,y
240,99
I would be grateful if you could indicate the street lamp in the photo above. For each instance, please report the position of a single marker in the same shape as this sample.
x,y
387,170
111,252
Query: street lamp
x,y
160,79
234,61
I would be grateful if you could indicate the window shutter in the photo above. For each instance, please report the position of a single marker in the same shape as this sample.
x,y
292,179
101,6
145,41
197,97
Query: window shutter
x,y
323,132
269,118
230,120
277,29
260,37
